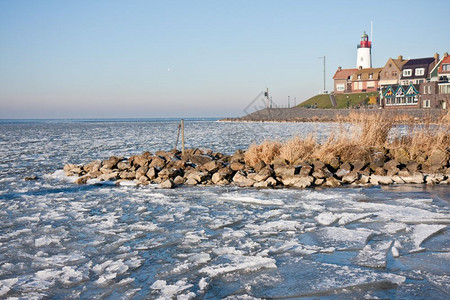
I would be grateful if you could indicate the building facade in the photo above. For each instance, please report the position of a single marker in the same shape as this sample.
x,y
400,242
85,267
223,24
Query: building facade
x,y
417,71
366,80
391,72
342,80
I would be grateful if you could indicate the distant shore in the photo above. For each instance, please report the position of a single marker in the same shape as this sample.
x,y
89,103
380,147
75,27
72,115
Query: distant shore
x,y
297,114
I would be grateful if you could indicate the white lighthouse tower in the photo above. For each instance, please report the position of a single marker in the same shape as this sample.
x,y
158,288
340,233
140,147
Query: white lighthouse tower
x,y
364,54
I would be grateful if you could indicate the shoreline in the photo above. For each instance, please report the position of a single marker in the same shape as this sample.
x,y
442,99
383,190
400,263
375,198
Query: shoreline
x,y
170,169
300,115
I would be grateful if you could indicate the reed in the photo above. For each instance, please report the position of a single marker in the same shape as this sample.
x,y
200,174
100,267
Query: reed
x,y
358,136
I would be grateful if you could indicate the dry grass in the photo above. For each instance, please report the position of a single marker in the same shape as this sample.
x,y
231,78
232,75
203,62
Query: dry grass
x,y
369,133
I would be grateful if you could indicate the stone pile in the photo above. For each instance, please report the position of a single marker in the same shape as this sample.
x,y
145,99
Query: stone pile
x,y
204,167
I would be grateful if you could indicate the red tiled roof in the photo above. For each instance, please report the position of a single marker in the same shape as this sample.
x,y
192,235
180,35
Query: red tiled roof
x,y
344,73
445,60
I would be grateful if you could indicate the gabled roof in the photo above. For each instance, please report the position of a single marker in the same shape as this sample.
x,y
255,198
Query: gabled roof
x,y
344,73
445,60
399,62
418,62
365,74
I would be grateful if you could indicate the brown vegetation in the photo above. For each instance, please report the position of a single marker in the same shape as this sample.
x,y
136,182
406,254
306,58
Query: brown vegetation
x,y
367,135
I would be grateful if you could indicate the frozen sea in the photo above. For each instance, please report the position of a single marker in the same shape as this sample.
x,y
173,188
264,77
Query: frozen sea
x,y
59,240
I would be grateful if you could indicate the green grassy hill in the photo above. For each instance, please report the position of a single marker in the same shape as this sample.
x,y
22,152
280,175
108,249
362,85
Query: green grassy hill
x,y
323,101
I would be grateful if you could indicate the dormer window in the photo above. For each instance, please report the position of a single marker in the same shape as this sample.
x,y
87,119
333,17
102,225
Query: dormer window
x,y
370,75
407,72
420,71
446,67
359,76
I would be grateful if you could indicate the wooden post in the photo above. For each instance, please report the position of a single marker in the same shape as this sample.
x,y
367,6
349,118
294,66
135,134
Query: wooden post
x,y
182,137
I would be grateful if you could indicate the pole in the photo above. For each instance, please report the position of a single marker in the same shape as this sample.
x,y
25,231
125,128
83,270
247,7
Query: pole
x,y
267,95
182,137
324,76
289,101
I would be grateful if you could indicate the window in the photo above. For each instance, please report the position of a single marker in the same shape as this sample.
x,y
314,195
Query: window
x,y
429,89
407,72
425,89
420,71
359,76
390,65
340,87
446,67
394,74
370,75
426,103
419,81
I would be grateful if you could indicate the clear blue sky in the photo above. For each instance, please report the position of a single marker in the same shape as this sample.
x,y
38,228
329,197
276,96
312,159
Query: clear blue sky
x,y
87,59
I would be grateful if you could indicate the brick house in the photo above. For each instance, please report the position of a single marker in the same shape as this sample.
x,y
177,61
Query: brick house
x,y
398,96
391,72
342,80
417,71
366,80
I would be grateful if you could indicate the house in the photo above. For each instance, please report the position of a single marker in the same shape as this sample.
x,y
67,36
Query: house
x,y
391,72
342,80
398,96
365,80
444,75
417,71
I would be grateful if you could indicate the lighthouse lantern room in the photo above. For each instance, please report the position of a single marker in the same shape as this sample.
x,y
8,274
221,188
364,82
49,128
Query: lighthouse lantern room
x,y
364,55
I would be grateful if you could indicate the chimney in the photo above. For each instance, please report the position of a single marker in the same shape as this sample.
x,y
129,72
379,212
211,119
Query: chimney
x,y
445,54
436,57
339,68
400,58
360,68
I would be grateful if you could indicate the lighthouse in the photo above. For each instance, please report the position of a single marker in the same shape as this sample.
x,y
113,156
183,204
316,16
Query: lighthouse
x,y
364,53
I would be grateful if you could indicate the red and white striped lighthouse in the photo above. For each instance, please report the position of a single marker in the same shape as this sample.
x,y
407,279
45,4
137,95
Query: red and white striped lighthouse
x,y
364,53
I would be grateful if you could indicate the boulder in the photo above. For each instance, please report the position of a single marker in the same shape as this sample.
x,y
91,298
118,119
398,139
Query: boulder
x,y
397,179
108,176
358,165
237,166
31,178
238,156
124,165
380,171
226,172
152,173
217,177
191,181
298,181
158,162
412,166
332,182
128,175
322,172
200,159
141,172
167,184
241,180
434,178
263,174
391,164
286,170
378,179
141,160
111,163
259,166
93,166
414,178
82,179
401,155
178,180
319,181
305,170
335,163
198,176
211,166
364,179
342,172
170,173
350,177
437,157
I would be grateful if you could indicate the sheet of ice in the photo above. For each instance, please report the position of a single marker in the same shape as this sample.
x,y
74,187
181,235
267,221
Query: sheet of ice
x,y
374,255
393,228
342,238
274,226
250,200
326,218
239,263
423,231
6,285
169,291
347,218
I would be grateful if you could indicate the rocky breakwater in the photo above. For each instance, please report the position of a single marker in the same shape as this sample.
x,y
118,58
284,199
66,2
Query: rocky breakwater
x,y
205,167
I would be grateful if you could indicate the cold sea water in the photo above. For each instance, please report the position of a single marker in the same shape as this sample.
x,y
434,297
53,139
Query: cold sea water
x,y
59,240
